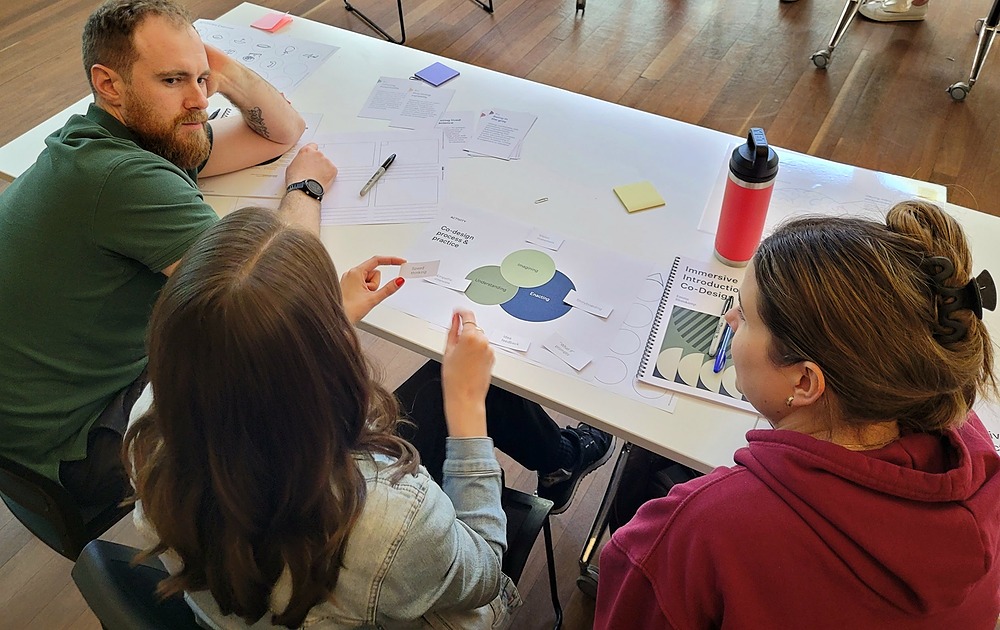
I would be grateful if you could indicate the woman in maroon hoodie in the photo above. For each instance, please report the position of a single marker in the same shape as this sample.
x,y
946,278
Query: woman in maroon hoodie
x,y
876,501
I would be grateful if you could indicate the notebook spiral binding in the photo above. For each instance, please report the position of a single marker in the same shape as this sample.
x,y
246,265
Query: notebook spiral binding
x,y
657,318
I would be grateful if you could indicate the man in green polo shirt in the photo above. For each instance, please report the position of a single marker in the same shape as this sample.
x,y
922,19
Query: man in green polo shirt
x,y
90,232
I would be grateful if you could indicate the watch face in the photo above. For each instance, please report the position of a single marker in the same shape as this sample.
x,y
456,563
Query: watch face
x,y
314,187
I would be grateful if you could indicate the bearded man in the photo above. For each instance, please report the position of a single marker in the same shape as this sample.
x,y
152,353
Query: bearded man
x,y
90,232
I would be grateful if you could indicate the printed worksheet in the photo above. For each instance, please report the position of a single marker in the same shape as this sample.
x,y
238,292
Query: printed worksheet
x,y
458,127
410,191
569,305
500,133
386,99
282,60
422,107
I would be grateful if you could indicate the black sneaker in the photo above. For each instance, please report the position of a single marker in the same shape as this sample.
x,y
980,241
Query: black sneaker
x,y
593,449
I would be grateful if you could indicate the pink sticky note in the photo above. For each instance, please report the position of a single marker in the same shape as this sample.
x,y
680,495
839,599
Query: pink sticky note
x,y
272,22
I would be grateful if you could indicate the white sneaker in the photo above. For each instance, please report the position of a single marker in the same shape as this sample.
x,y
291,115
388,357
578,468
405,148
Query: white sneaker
x,y
893,11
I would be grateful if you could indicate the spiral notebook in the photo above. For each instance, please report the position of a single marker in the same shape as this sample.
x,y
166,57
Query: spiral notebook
x,y
676,354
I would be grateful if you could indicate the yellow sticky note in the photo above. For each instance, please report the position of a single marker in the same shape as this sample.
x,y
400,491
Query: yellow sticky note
x,y
639,196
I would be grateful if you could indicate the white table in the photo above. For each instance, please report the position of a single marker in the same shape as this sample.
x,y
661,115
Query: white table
x,y
577,151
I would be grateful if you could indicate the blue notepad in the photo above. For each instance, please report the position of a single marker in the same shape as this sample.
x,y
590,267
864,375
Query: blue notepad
x,y
436,74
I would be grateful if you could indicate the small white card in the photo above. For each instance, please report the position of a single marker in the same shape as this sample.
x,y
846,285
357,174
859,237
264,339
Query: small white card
x,y
455,284
509,341
588,304
548,241
557,345
419,269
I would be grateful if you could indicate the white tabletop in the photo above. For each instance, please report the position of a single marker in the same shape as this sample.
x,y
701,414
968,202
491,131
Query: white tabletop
x,y
577,151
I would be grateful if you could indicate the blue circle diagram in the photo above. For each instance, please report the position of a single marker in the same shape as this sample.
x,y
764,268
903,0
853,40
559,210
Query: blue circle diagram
x,y
542,303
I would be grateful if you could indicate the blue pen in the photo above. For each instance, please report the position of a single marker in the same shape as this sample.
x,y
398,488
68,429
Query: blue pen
x,y
720,356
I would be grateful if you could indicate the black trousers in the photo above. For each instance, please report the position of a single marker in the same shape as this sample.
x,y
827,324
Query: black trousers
x,y
519,428
100,477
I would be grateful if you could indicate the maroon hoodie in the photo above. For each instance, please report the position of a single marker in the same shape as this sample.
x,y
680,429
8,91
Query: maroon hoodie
x,y
803,533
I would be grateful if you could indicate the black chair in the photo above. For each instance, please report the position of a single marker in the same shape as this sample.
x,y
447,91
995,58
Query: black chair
x,y
124,596
48,511
526,515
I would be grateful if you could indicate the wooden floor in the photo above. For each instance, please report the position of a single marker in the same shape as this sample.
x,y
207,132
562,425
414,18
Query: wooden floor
x,y
716,63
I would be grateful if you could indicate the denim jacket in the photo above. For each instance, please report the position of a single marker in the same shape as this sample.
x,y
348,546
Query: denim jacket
x,y
419,556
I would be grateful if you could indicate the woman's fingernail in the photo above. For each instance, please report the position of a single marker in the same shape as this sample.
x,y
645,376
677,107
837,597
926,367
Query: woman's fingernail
x,y
400,281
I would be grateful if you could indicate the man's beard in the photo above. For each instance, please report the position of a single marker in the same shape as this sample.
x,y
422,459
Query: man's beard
x,y
163,139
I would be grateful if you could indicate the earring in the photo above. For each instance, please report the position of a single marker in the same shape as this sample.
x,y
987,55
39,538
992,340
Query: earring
x,y
788,401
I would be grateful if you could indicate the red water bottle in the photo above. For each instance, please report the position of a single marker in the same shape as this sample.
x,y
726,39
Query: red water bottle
x,y
744,206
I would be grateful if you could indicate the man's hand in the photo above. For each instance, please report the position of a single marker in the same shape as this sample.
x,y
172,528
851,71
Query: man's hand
x,y
298,208
267,127
310,163
218,62
360,286
465,376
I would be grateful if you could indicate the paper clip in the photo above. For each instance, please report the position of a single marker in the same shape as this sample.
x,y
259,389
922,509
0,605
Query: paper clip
x,y
541,200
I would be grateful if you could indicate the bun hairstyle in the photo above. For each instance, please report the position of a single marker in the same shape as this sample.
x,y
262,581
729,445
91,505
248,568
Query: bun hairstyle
x,y
854,297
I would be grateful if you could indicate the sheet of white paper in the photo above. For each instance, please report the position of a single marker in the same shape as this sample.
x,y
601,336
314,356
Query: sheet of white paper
x,y
518,288
499,132
450,282
426,269
806,185
386,98
282,60
548,240
411,191
422,107
267,180
458,127
567,351
587,303
509,341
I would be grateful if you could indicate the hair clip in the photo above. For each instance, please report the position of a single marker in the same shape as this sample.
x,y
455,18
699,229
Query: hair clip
x,y
977,294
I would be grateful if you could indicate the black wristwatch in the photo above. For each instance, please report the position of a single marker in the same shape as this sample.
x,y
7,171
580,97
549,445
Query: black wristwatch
x,y
310,187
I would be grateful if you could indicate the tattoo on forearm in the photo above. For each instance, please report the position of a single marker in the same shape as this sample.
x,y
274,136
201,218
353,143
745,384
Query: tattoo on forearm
x,y
255,120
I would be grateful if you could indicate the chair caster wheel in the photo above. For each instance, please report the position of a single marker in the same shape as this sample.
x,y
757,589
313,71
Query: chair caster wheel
x,y
959,91
979,25
821,58
588,583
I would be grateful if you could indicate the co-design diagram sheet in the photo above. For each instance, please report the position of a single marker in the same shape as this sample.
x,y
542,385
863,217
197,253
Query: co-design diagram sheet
x,y
566,304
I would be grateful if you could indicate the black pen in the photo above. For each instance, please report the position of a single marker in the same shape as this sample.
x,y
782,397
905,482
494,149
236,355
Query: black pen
x,y
214,114
379,173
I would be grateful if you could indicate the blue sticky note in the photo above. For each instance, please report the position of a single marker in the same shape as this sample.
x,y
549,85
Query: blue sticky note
x,y
437,73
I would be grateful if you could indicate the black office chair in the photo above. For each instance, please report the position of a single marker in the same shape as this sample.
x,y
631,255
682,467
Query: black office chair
x,y
124,596
526,515
48,511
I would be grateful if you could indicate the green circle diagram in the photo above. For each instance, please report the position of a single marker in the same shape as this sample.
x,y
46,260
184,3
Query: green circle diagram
x,y
528,268
488,286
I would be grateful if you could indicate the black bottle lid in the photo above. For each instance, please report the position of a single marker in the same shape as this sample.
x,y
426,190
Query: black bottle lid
x,y
754,162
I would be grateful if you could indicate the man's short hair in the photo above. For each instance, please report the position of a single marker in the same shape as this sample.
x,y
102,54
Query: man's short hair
x,y
107,36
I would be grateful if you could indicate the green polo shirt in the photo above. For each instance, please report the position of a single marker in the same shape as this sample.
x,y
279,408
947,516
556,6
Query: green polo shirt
x,y
84,235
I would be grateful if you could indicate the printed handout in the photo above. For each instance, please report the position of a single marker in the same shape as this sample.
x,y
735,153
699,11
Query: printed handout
x,y
282,60
500,133
518,292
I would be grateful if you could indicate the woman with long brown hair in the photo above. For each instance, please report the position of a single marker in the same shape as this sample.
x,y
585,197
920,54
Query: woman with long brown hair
x,y
875,500
268,468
